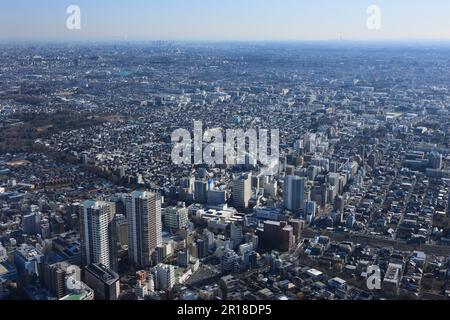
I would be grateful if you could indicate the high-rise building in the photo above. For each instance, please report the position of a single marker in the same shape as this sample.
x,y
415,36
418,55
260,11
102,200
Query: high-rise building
x,y
122,229
435,160
176,218
200,191
202,248
45,229
276,235
104,282
165,276
229,262
335,180
351,220
28,260
217,197
312,172
339,204
183,259
242,191
187,183
73,214
54,278
144,226
294,193
310,210
236,235
31,223
298,226
98,234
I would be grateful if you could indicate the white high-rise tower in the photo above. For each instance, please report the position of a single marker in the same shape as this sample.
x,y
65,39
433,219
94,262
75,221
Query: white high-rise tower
x,y
144,226
98,238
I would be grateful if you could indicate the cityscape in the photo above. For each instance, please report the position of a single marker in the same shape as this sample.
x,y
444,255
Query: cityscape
x,y
117,179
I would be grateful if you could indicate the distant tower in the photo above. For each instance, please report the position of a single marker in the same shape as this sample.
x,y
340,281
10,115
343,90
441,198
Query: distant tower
x,y
144,226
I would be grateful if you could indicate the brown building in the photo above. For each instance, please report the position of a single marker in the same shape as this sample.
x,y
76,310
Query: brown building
x,y
276,235
298,225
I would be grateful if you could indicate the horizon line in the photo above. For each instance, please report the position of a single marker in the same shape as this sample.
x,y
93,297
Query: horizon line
x,y
119,39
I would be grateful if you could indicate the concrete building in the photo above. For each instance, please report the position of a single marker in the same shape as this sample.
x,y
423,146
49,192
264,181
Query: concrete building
x,y
122,229
103,280
200,191
236,235
217,197
276,236
31,223
242,191
98,234
144,226
294,193
165,276
176,218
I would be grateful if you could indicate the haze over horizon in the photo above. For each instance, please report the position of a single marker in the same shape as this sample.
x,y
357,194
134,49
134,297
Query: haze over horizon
x,y
231,20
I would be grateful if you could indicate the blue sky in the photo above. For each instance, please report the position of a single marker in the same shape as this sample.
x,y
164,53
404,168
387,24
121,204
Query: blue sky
x,y
225,19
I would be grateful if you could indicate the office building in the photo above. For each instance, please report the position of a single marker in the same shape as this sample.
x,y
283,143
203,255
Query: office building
x,y
217,197
276,235
165,276
54,278
435,160
103,280
31,223
236,235
294,193
183,259
200,191
242,191
339,204
229,262
310,210
176,218
28,260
